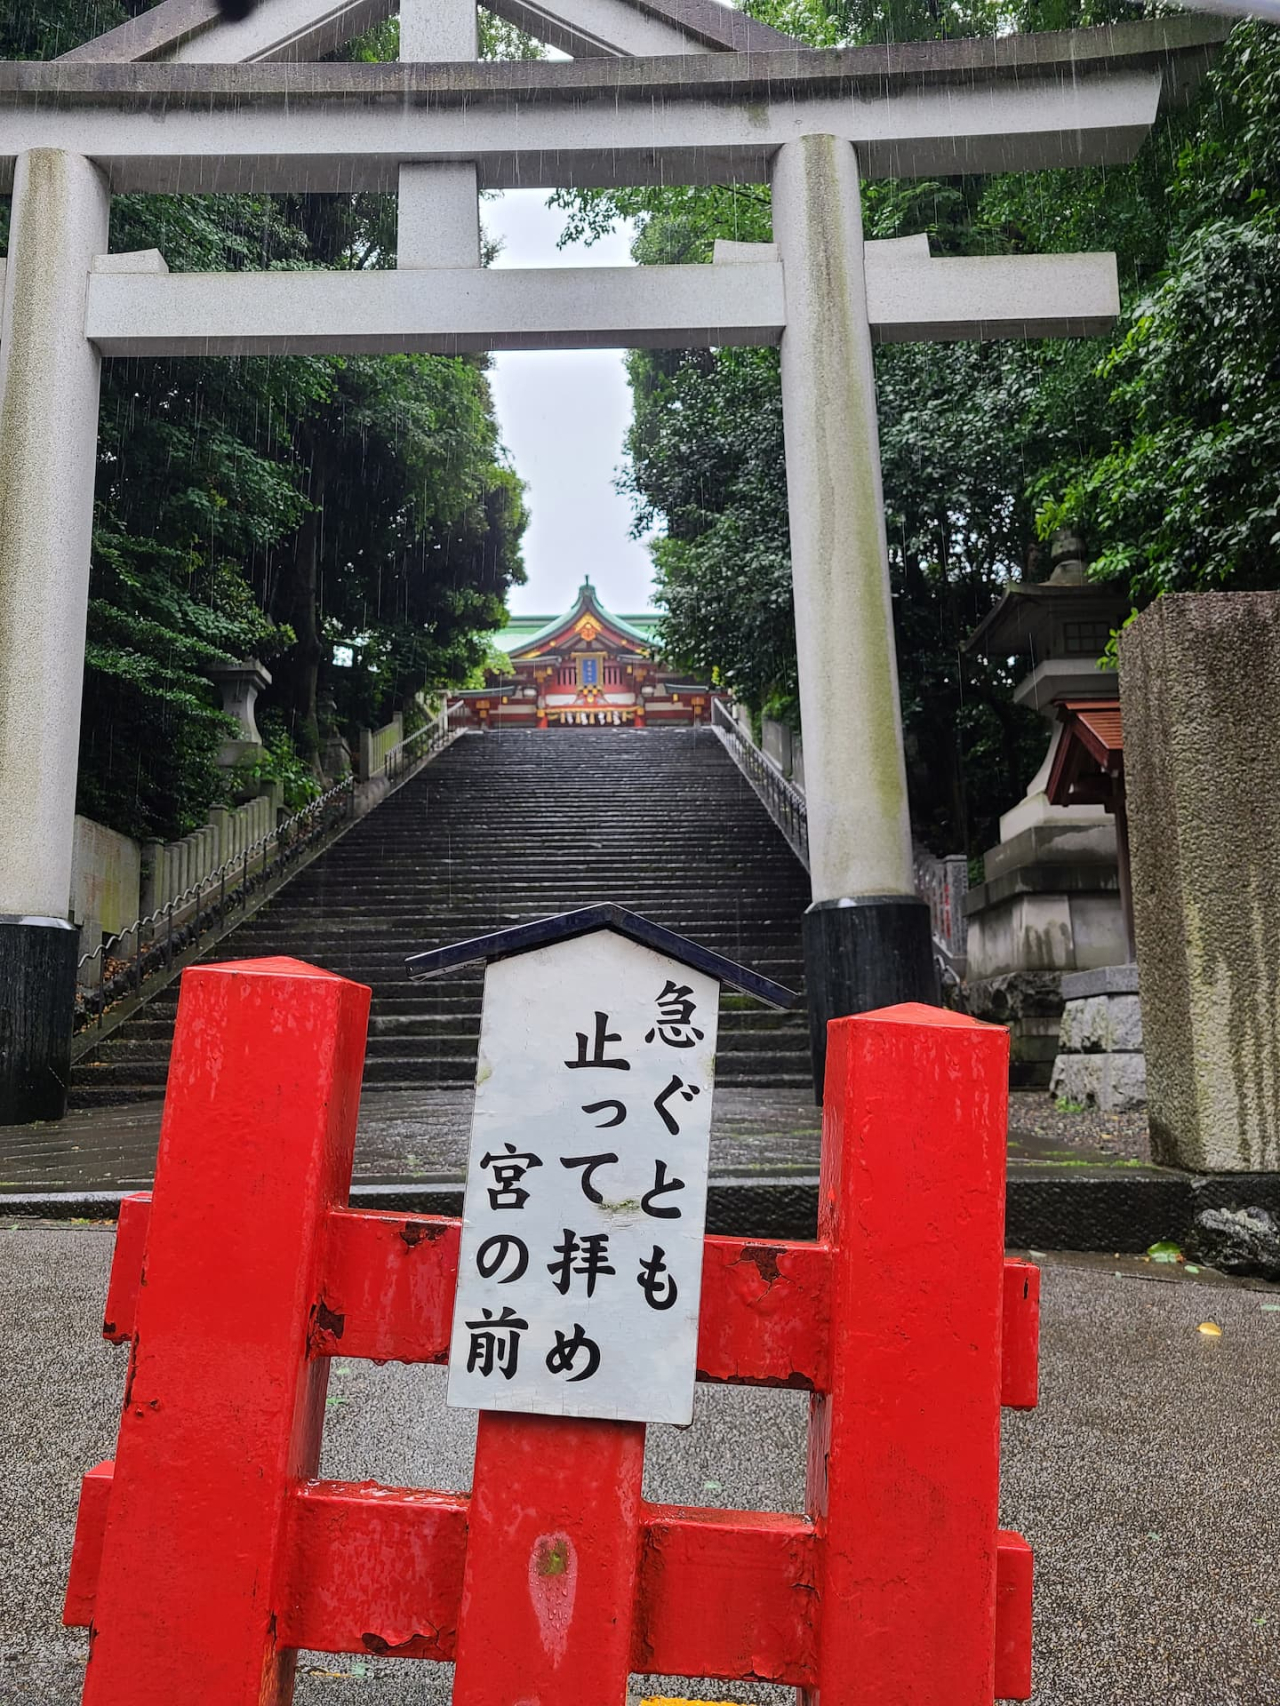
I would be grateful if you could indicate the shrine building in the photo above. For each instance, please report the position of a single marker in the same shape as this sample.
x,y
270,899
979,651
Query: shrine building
x,y
587,667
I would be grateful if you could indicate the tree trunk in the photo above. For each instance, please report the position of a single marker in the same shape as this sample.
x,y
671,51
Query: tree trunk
x,y
296,604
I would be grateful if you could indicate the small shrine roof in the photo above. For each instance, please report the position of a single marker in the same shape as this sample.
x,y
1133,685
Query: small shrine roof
x,y
523,633
1100,725
1088,768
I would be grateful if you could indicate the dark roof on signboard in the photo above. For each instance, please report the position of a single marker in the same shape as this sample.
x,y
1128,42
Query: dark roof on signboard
x,y
565,926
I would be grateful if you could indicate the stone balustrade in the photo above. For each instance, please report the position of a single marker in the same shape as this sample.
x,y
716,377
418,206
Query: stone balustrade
x,y
116,881
376,746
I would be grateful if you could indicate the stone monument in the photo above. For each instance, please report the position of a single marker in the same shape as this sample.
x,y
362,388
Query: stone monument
x,y
1049,902
1200,681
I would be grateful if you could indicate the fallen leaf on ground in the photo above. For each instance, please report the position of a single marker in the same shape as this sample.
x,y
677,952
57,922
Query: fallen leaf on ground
x,y
1165,1251
1210,1329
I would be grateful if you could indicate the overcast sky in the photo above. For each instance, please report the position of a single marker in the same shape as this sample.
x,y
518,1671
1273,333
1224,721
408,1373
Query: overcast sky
x,y
563,414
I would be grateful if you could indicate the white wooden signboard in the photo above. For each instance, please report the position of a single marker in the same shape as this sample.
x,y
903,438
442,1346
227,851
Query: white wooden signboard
x,y
581,1261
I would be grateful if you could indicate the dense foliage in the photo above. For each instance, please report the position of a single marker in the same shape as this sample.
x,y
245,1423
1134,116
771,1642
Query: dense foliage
x,y
274,507
1157,443
1179,486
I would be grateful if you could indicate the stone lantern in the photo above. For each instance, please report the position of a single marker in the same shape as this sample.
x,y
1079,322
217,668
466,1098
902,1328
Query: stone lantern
x,y
1049,902
240,684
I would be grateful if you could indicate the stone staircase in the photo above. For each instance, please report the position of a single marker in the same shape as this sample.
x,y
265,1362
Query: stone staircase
x,y
505,828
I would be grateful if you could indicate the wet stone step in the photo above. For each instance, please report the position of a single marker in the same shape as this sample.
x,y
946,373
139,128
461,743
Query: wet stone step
x,y
459,1021
503,829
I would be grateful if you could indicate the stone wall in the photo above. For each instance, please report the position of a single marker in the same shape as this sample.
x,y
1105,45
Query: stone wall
x,y
376,744
1049,904
115,881
783,748
1100,1060
775,743
1049,901
1200,688
106,873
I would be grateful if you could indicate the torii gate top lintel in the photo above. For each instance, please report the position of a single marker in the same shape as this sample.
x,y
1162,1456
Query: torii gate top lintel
x,y
1181,48
1076,98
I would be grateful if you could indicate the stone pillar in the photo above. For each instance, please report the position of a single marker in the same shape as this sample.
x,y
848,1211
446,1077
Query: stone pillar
x,y
1199,687
151,894
272,796
439,206
48,444
867,940
219,822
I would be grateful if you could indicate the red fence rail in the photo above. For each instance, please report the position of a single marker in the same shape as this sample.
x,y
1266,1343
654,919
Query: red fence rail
x,y
207,1554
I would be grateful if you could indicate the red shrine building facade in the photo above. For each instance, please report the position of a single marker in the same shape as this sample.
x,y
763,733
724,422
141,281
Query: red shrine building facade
x,y
585,668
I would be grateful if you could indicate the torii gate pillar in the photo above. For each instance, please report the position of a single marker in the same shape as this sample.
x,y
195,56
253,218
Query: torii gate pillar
x,y
867,937
48,454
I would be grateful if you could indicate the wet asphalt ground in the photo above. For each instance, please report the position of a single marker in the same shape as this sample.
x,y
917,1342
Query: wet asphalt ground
x,y
1148,1481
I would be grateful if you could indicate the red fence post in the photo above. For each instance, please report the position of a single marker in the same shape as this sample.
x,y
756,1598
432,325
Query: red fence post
x,y
548,1596
207,1551
904,1451
225,1398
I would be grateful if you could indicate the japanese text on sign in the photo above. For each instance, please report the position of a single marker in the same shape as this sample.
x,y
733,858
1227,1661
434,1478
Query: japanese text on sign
x,y
581,1260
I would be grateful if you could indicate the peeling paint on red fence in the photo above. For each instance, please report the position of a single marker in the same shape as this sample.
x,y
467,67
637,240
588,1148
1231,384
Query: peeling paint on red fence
x,y
208,1553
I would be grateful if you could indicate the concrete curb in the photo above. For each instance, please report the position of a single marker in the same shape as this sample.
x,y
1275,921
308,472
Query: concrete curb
x,y
1048,1207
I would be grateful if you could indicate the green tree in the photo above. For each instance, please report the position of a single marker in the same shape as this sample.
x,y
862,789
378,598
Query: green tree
x,y
1156,441
274,507
1179,487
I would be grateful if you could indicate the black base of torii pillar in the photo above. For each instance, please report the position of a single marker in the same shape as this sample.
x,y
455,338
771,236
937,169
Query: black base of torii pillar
x,y
860,954
38,958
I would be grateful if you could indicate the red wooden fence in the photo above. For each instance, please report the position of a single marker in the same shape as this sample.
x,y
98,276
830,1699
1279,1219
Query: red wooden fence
x,y
207,1554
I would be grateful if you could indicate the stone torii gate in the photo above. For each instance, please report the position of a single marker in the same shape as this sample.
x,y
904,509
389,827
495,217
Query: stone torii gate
x,y
662,91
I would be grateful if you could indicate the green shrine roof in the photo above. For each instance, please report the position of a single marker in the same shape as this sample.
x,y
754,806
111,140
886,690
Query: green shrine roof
x,y
524,631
